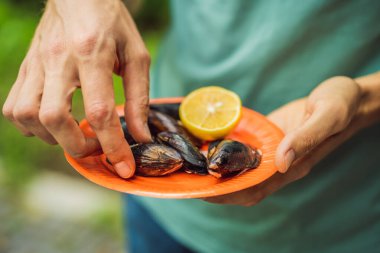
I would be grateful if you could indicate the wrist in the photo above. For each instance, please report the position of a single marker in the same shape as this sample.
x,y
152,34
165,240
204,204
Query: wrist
x,y
368,112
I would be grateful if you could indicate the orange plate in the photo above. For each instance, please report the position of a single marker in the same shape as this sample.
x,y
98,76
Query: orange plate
x,y
253,128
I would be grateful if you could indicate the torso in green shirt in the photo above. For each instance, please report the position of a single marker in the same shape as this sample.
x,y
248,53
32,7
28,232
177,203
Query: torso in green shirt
x,y
270,53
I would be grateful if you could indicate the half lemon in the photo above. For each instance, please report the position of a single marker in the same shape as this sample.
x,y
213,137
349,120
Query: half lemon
x,y
210,113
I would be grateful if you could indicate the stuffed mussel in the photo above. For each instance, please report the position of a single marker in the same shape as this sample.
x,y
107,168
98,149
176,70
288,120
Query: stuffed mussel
x,y
228,157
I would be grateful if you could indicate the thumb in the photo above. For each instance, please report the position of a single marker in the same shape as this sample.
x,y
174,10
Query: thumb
x,y
321,122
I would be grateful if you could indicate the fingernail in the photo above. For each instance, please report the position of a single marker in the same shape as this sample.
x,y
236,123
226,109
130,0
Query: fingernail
x,y
289,158
123,169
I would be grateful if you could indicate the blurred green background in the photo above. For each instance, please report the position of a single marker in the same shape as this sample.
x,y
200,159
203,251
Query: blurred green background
x,y
28,166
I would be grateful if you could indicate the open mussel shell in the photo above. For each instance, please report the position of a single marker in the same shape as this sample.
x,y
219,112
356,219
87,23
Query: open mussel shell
x,y
228,158
171,109
194,160
161,122
212,147
127,135
153,159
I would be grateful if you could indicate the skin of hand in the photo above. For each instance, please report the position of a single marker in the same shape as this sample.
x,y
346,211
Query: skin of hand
x,y
314,126
80,44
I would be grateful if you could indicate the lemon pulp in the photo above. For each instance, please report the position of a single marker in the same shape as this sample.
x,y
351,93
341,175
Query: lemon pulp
x,y
211,112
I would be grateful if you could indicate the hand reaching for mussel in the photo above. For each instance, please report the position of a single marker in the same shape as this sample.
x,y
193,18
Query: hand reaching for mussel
x,y
79,44
313,127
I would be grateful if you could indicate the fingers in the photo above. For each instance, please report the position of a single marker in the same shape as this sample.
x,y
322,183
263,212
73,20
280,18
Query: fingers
x,y
26,110
319,125
60,83
342,93
135,61
136,88
96,80
329,109
56,117
8,107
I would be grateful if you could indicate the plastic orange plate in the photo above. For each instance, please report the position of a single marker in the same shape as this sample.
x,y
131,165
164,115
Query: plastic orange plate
x,y
253,129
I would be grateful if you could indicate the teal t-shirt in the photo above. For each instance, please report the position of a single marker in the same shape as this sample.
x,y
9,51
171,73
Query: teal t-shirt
x,y
270,53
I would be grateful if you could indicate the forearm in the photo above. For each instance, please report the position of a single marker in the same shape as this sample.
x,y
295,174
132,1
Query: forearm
x,y
369,109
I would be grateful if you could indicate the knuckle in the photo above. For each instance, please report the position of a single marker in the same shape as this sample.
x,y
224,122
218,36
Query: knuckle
x,y
77,149
138,103
140,57
23,69
144,57
98,113
7,111
25,113
85,43
51,116
55,48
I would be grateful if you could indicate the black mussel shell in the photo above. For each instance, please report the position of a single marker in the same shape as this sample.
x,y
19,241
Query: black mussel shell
x,y
195,161
154,159
212,147
171,109
230,157
161,122
127,135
